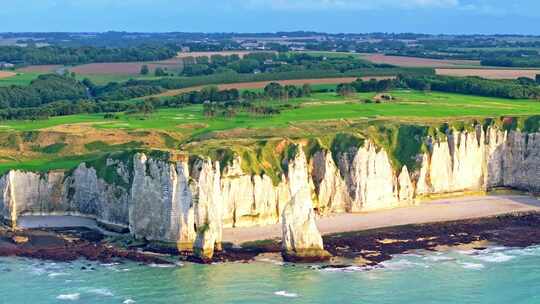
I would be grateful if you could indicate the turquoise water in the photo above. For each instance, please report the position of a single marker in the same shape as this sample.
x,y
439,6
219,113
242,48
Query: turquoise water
x,y
498,275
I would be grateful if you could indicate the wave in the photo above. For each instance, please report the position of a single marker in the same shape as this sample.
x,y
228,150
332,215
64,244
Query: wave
x,y
57,274
271,261
402,264
496,257
101,291
69,297
283,293
472,266
154,265
439,258
129,301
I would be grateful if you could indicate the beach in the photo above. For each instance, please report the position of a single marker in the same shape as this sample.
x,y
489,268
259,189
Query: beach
x,y
441,210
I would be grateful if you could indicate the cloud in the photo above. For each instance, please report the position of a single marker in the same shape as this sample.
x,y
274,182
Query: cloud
x,y
349,4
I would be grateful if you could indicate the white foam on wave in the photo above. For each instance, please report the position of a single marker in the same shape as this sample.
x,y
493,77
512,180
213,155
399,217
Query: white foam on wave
x,y
69,297
467,252
129,301
529,251
271,261
472,266
37,271
402,264
57,274
438,258
496,257
283,293
101,291
154,265
349,269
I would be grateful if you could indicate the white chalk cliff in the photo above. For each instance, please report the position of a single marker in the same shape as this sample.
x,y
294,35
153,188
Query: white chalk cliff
x,y
190,203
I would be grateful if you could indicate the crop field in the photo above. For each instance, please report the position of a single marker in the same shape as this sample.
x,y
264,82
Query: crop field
x,y
318,107
18,79
47,68
125,68
262,84
490,73
240,54
405,61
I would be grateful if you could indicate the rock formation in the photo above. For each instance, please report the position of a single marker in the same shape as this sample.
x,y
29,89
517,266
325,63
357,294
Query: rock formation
x,y
188,203
301,238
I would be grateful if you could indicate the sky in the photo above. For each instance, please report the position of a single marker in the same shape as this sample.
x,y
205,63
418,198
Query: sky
x,y
248,16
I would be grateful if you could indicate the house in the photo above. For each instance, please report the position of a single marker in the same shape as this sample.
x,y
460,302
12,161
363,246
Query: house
x,y
6,65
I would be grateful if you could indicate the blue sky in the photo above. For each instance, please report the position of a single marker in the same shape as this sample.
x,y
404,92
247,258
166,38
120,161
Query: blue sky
x,y
426,16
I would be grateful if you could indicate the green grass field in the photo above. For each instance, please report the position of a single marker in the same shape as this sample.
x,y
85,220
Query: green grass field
x,y
320,106
309,114
103,79
19,79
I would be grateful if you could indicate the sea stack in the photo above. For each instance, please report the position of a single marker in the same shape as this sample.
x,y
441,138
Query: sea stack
x,y
302,241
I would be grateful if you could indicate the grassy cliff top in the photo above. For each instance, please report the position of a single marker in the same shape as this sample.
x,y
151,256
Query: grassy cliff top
x,y
323,121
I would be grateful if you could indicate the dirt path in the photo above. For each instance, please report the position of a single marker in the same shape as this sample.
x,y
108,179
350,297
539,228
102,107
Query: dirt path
x,y
262,84
429,212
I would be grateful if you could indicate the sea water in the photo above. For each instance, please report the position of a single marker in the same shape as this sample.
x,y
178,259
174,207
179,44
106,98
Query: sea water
x,y
497,275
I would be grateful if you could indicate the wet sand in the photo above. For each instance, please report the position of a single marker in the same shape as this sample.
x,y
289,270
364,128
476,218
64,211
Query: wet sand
x,y
443,210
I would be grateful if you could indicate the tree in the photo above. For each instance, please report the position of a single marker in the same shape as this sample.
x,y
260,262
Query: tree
x,y
145,70
145,107
538,78
160,72
306,90
345,89
274,90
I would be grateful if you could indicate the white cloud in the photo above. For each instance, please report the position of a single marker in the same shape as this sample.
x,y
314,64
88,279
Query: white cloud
x,y
349,4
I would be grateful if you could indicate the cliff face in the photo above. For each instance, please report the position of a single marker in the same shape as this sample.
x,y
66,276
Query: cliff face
x,y
189,203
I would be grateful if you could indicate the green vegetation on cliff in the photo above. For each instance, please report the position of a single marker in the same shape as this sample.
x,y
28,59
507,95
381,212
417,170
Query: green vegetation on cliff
x,y
323,121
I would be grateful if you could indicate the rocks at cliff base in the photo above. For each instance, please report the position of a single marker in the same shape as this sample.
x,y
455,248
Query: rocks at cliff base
x,y
302,241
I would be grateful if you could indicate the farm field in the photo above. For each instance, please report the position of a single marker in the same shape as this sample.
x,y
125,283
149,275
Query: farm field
x,y
46,68
490,73
422,106
262,84
18,79
405,61
129,68
240,54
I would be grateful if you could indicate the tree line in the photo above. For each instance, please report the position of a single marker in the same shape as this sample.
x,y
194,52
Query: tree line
x,y
32,55
268,62
512,89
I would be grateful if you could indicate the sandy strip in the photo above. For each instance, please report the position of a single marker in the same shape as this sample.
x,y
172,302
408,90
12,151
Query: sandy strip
x,y
6,74
430,212
59,221
55,221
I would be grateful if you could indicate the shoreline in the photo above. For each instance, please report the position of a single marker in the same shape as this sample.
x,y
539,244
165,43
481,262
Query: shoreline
x,y
364,239
431,211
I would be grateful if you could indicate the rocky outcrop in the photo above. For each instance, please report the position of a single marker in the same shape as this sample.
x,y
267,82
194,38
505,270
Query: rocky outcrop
x,y
330,187
302,241
188,204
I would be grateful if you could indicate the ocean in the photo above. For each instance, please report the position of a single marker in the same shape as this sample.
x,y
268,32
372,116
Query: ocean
x,y
496,275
